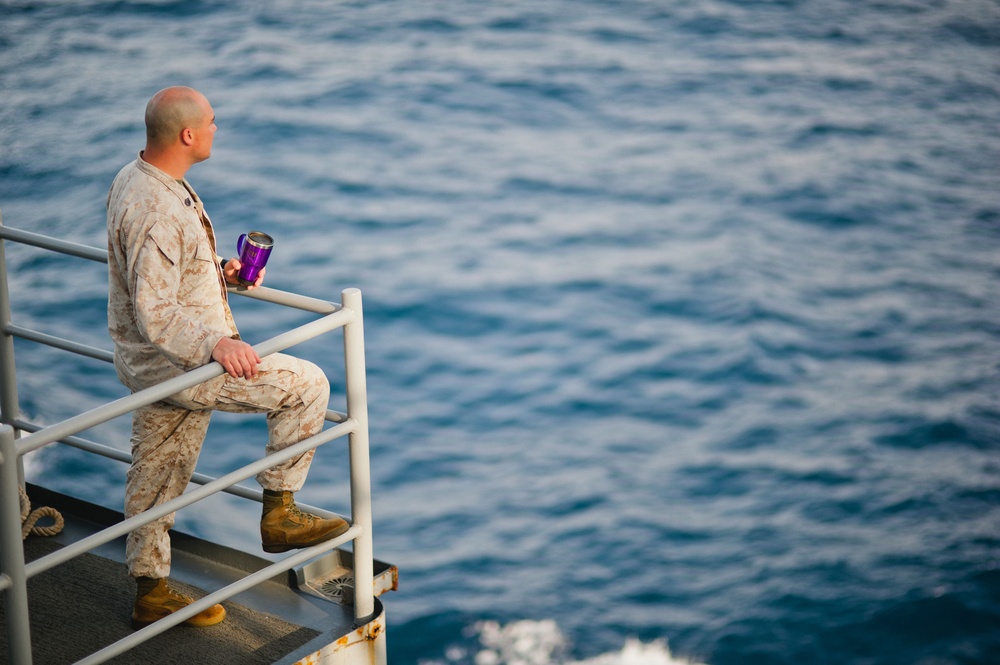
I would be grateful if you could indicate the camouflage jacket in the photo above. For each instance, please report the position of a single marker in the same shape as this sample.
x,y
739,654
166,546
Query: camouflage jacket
x,y
167,302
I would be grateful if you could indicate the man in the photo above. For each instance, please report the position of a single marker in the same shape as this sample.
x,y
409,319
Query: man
x,y
168,313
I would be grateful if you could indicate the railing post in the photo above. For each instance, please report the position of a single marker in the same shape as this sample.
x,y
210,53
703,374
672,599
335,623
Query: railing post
x,y
9,410
361,497
12,552
8,378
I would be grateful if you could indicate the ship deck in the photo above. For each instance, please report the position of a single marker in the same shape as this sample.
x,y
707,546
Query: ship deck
x,y
84,605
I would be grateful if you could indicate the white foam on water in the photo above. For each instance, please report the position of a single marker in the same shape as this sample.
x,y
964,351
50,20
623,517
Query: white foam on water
x,y
530,642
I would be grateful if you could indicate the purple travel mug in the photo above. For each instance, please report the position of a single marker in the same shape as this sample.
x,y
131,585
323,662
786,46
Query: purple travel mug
x,y
253,248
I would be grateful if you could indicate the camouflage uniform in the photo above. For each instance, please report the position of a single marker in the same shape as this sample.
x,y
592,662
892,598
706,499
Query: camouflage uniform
x,y
167,309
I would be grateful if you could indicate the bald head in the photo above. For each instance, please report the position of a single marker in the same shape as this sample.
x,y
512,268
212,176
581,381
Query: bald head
x,y
180,128
170,111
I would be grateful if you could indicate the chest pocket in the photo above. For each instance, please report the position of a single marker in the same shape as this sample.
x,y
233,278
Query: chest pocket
x,y
167,242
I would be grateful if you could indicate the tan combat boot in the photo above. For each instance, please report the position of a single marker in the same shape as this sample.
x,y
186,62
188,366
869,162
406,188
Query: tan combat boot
x,y
161,601
284,527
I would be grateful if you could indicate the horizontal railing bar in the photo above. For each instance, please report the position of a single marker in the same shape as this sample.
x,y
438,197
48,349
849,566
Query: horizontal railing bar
x,y
286,298
173,386
120,529
81,444
59,343
335,416
264,293
199,478
54,244
117,408
120,455
225,593
337,319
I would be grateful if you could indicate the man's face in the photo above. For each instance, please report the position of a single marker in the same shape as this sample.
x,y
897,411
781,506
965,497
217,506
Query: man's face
x,y
204,133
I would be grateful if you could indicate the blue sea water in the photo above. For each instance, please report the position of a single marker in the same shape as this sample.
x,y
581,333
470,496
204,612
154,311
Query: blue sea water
x,y
682,317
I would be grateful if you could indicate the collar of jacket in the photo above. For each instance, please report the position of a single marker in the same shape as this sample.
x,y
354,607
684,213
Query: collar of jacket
x,y
182,189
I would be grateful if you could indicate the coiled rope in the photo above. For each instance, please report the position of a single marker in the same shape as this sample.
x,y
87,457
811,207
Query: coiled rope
x,y
29,518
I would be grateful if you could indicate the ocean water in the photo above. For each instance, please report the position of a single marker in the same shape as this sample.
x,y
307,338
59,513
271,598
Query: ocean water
x,y
682,318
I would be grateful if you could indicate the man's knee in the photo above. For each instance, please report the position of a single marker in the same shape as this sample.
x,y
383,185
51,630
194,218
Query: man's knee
x,y
314,383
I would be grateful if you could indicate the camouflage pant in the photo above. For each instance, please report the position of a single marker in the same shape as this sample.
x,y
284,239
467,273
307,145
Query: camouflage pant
x,y
167,437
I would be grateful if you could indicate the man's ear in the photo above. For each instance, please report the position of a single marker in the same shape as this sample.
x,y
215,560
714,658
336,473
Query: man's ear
x,y
187,136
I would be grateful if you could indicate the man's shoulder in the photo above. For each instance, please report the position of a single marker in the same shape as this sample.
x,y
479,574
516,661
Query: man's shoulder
x,y
136,175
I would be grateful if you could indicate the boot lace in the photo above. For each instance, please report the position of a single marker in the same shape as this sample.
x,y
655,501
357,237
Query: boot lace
x,y
174,594
295,513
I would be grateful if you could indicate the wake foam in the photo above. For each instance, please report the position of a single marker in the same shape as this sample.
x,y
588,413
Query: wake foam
x,y
542,643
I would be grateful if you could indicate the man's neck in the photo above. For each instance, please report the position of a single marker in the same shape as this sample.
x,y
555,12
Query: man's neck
x,y
170,163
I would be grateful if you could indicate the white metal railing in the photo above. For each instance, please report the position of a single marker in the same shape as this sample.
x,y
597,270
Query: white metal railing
x,y
14,444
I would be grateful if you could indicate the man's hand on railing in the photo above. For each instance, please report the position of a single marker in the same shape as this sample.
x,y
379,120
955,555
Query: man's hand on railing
x,y
237,357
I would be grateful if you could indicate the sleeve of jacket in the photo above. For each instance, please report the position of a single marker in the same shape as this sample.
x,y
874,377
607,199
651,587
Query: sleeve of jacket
x,y
166,322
